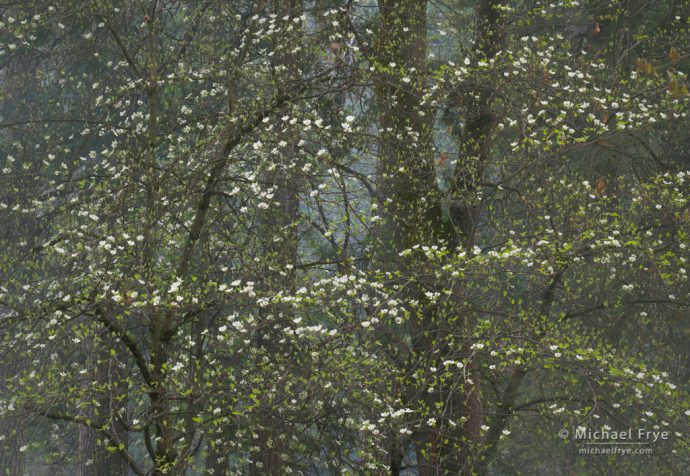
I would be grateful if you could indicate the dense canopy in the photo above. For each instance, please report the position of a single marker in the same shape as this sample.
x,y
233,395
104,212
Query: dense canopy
x,y
322,237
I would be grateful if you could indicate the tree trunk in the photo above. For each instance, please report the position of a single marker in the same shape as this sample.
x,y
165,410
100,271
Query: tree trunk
x,y
279,238
411,202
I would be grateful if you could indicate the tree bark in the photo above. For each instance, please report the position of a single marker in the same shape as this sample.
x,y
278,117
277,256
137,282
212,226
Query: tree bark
x,y
279,238
412,208
411,201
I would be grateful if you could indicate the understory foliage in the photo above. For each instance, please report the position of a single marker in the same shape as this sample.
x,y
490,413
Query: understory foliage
x,y
358,237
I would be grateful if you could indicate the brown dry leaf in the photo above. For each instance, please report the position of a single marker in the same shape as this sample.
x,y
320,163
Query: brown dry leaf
x,y
644,66
677,90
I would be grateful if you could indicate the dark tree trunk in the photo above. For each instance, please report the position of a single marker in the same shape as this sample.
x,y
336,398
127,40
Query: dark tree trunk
x,y
411,201
279,241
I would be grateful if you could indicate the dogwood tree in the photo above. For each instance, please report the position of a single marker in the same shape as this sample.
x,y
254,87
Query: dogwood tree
x,y
342,237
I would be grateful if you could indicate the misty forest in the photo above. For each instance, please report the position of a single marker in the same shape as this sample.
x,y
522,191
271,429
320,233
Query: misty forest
x,y
359,237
